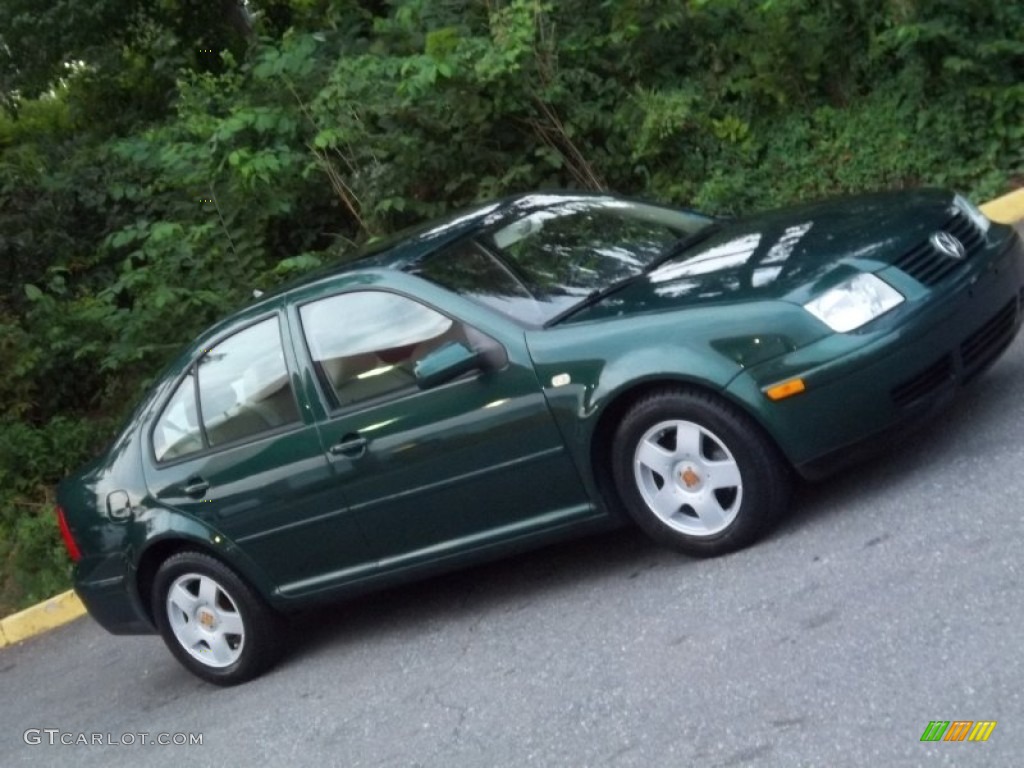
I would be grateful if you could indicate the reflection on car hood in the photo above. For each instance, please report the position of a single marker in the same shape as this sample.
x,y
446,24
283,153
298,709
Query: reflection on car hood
x,y
773,254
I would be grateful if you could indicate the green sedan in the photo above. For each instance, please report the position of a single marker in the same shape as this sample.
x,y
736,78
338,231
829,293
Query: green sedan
x,y
536,368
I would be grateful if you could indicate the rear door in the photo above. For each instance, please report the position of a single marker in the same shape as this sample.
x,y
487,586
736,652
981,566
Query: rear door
x,y
232,447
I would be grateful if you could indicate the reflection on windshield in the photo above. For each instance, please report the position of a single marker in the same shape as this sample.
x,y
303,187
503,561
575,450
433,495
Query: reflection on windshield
x,y
548,260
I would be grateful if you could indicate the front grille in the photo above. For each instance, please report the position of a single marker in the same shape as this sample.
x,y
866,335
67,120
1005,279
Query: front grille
x,y
984,345
922,384
928,266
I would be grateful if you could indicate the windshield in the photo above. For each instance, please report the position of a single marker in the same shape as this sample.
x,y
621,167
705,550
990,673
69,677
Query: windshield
x,y
553,258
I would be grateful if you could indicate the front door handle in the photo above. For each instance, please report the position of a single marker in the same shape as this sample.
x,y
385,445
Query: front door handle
x,y
352,446
196,487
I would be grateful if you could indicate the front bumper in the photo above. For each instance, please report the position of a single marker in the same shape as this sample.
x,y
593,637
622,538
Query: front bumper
x,y
895,379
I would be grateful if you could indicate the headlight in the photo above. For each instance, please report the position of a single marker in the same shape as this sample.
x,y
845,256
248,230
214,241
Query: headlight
x,y
854,302
971,211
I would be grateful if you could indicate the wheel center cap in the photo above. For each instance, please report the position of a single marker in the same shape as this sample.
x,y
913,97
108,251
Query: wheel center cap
x,y
689,478
206,618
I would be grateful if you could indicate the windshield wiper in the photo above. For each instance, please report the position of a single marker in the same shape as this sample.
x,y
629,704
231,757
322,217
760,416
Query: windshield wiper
x,y
683,244
593,298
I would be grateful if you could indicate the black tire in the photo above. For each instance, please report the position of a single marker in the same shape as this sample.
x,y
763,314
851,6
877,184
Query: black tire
x,y
699,441
201,638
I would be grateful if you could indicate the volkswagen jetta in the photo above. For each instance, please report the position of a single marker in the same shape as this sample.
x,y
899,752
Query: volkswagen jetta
x,y
534,368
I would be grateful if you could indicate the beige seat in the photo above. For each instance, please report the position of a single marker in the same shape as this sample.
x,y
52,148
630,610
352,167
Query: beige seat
x,y
236,423
277,406
356,378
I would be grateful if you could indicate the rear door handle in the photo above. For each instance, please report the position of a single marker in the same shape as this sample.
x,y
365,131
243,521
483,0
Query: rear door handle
x,y
196,487
352,446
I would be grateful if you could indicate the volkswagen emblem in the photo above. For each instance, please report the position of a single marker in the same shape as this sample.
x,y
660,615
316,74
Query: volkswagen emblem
x,y
945,243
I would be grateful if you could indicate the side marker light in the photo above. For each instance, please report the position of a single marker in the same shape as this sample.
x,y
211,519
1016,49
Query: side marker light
x,y
786,389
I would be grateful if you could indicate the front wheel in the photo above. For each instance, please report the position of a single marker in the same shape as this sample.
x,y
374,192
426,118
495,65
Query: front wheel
x,y
696,474
212,621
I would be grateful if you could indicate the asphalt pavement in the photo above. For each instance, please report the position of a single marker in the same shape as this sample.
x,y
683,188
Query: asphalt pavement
x,y
891,596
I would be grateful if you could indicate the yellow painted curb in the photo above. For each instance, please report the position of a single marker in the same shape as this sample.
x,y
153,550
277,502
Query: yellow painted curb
x,y
1007,209
41,617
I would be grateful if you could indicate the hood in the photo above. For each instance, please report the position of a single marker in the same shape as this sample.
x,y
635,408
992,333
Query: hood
x,y
788,253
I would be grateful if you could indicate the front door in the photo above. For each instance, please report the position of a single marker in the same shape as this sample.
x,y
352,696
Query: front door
x,y
442,470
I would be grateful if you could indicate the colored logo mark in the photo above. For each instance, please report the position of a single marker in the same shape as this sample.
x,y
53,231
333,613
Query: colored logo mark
x,y
959,730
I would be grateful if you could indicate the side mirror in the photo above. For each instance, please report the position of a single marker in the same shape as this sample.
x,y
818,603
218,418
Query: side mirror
x,y
444,364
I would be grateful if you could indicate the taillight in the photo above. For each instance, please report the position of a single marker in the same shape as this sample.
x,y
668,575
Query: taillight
x,y
65,532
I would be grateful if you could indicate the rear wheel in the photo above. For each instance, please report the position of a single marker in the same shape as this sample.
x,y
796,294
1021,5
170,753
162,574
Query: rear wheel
x,y
697,474
212,621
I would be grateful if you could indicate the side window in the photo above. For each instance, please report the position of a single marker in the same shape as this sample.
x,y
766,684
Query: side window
x,y
244,387
177,431
365,344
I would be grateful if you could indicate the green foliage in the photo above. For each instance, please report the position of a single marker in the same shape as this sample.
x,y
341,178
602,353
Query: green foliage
x,y
32,459
121,55
159,161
